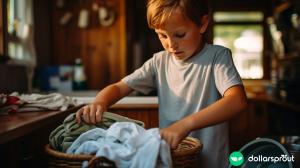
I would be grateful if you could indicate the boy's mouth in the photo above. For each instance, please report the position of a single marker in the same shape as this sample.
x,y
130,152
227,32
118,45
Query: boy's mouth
x,y
177,53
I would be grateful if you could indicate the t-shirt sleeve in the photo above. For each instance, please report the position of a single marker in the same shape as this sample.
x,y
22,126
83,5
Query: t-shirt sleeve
x,y
142,79
225,72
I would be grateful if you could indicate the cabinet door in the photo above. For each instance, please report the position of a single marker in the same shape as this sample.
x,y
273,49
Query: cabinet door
x,y
249,124
148,116
238,128
258,119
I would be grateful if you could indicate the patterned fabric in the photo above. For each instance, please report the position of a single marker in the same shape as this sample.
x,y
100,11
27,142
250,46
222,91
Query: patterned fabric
x,y
16,102
9,104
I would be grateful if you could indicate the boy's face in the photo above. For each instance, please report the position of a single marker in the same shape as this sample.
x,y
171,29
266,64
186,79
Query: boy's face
x,y
180,36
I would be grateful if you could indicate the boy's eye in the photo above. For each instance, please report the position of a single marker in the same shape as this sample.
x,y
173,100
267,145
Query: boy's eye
x,y
180,35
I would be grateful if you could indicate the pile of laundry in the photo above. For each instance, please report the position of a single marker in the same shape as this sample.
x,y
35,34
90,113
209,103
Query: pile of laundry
x,y
120,139
64,135
16,102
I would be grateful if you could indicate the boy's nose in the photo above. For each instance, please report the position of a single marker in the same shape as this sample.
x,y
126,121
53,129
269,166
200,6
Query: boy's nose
x,y
173,44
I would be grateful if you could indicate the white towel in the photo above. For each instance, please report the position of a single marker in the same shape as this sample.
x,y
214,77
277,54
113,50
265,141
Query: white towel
x,y
126,144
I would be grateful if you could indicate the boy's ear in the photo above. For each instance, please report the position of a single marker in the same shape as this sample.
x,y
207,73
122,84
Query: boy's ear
x,y
204,24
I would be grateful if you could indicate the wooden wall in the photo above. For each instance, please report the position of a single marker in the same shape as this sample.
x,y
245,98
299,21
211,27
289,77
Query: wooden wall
x,y
102,49
42,27
108,53
13,78
1,28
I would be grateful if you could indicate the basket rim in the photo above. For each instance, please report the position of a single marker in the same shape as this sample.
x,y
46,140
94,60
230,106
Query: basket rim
x,y
197,147
67,156
194,142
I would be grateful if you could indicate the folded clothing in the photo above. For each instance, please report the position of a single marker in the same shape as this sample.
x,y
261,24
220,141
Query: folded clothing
x,y
16,102
9,104
126,144
64,135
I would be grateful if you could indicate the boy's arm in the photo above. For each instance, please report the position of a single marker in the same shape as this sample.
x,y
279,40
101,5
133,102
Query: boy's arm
x,y
233,102
112,93
92,113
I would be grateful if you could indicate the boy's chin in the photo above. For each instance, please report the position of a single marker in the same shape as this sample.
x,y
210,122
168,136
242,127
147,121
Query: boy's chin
x,y
181,58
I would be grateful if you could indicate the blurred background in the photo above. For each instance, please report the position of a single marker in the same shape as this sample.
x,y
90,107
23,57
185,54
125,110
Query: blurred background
x,y
78,47
108,39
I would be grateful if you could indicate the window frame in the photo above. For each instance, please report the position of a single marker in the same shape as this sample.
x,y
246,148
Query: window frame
x,y
11,37
2,28
266,63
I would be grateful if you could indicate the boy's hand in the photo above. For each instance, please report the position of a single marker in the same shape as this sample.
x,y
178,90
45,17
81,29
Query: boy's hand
x,y
175,133
91,113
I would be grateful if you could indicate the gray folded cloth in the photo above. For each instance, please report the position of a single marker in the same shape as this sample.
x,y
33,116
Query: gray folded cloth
x,y
39,102
64,135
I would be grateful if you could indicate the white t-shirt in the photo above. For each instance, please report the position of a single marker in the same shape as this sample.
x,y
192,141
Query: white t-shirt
x,y
186,87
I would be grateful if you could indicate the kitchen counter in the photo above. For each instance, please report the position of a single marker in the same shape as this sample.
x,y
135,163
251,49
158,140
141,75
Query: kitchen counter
x,y
142,101
127,102
274,101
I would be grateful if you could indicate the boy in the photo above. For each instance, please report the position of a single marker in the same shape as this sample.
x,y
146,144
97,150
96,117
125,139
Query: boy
x,y
198,86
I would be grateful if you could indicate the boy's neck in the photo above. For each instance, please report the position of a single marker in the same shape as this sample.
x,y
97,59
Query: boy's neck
x,y
199,49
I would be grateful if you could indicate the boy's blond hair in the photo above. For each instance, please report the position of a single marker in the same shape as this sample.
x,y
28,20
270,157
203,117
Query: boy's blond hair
x,y
158,11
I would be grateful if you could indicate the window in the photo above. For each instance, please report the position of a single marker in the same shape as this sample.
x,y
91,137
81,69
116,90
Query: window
x,y
242,32
19,28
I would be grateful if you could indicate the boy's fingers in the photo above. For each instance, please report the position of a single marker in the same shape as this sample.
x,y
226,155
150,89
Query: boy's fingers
x,y
169,139
98,114
174,144
85,115
164,137
92,114
78,115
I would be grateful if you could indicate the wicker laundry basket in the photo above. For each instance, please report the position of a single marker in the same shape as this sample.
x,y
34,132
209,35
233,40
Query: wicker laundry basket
x,y
185,156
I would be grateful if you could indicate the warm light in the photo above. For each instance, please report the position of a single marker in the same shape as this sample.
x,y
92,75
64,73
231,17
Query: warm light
x,y
244,40
249,41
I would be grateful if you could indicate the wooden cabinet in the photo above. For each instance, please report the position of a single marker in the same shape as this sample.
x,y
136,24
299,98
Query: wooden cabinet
x,y
284,118
145,113
24,135
264,117
248,125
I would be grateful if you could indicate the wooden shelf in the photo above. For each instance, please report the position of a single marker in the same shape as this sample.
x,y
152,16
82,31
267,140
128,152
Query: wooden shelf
x,y
290,58
275,101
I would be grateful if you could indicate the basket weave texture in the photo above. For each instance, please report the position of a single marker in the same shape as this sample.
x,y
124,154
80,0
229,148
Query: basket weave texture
x,y
185,156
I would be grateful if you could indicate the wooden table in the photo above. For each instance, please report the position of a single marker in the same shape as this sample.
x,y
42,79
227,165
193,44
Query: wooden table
x,y
24,135
13,126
